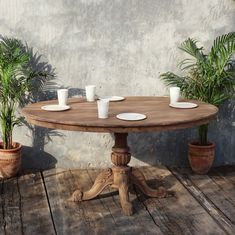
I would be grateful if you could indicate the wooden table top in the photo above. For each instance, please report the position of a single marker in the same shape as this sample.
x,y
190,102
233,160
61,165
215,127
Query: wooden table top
x,y
83,115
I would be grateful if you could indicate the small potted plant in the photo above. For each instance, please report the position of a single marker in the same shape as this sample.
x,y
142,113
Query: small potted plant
x,y
16,79
209,78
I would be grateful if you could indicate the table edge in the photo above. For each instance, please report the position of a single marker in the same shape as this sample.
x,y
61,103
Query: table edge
x,y
119,129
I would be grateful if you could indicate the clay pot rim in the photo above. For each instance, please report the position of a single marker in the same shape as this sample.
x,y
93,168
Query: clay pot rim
x,y
195,144
18,147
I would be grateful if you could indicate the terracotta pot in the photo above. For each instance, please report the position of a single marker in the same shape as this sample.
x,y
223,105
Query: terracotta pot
x,y
10,161
201,157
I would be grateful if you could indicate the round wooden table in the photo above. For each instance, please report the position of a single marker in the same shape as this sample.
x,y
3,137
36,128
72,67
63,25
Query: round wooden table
x,y
83,117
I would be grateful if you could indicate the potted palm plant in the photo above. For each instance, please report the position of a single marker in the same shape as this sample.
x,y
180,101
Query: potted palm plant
x,y
16,79
209,78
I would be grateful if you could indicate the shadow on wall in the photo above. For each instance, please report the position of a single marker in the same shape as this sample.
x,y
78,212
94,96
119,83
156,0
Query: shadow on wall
x,y
167,148
35,159
45,88
222,132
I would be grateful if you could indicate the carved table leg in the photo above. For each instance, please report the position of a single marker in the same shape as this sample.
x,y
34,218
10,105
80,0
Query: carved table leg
x,y
122,183
104,179
121,172
138,179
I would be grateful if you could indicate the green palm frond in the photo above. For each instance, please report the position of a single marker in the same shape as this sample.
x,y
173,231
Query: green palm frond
x,y
225,53
198,59
173,79
221,40
190,47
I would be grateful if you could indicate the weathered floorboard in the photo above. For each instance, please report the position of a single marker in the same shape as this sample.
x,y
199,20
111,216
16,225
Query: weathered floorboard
x,y
68,216
221,192
210,196
35,213
2,219
12,207
98,216
227,172
181,213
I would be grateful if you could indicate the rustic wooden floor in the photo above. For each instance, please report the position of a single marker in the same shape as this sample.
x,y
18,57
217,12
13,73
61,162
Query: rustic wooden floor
x,y
36,203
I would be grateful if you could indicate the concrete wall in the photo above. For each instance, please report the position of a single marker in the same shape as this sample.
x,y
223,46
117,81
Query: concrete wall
x,y
121,46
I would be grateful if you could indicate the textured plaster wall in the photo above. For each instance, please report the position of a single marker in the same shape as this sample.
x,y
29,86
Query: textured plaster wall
x,y
121,46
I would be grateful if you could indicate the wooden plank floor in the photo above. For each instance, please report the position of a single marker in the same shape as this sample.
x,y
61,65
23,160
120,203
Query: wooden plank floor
x,y
36,203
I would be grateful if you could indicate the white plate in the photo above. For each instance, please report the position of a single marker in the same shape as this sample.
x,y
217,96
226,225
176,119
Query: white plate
x,y
183,105
131,116
55,107
113,98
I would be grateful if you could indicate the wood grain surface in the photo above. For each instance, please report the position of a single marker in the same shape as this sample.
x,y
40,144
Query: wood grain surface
x,y
83,115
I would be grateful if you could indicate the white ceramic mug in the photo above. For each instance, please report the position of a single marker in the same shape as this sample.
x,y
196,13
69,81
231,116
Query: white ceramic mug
x,y
90,93
103,108
174,94
62,95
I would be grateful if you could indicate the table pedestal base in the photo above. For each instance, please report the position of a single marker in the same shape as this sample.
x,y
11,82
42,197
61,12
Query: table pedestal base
x,y
121,177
